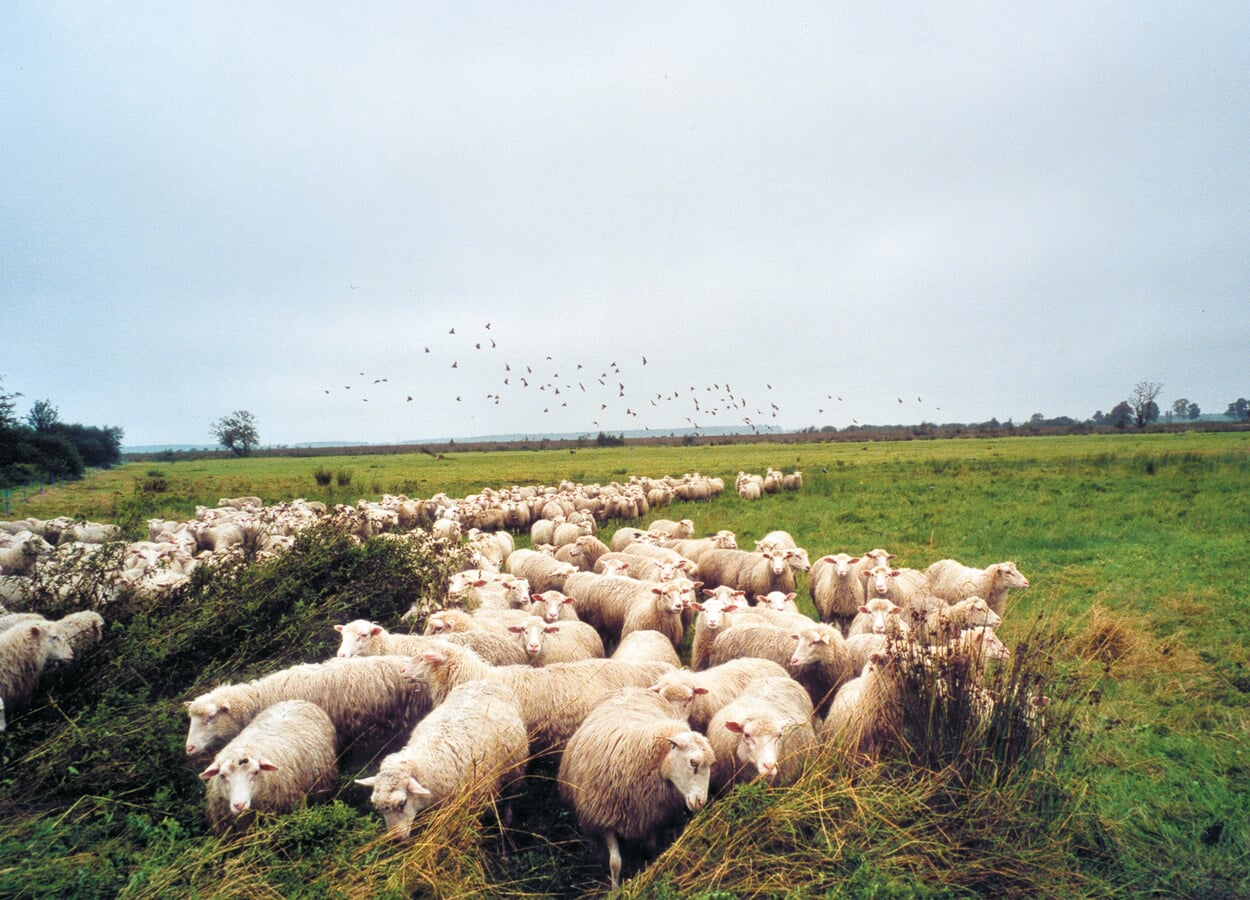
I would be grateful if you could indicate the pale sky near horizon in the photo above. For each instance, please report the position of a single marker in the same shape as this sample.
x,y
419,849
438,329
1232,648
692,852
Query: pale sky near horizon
x,y
798,214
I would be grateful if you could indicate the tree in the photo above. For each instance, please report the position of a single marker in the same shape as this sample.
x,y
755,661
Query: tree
x,y
1183,409
8,419
1120,416
1239,409
43,416
1145,410
237,432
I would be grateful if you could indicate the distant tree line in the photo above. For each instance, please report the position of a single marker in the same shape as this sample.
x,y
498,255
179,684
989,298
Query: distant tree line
x,y
42,448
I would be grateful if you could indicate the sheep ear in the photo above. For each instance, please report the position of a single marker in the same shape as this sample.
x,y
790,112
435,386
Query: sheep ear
x,y
416,789
367,782
700,691
210,771
552,629
266,765
516,629
760,598
338,628
434,657
538,597
733,607
735,727
657,590
895,610
375,630
865,610
791,595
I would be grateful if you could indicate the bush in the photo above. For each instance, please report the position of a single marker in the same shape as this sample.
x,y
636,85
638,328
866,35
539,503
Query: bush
x,y
322,477
343,477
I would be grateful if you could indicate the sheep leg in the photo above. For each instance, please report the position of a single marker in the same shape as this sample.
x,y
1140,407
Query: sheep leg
x,y
614,858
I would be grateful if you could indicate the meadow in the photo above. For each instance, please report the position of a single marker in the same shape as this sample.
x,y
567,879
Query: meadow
x,y
1135,546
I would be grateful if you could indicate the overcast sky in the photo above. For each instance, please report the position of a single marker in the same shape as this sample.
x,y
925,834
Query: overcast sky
x,y
806,212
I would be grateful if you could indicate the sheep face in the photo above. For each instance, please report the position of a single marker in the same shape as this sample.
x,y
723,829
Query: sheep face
x,y
687,763
211,724
759,742
880,610
1008,575
240,775
356,637
398,799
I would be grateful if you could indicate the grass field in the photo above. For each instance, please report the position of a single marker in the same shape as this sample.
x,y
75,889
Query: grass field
x,y
1135,546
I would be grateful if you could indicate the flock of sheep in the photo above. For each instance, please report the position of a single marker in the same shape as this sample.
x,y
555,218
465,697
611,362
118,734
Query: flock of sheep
x,y
574,647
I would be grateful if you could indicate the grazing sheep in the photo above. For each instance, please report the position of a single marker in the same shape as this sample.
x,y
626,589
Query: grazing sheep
x,y
24,652
364,638
608,773
951,581
553,700
672,530
715,687
647,646
544,573
567,641
367,699
284,757
835,587
820,663
765,732
863,713
473,743
751,573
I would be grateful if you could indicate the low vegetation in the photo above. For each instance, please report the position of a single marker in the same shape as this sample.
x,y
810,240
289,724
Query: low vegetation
x,y
1135,782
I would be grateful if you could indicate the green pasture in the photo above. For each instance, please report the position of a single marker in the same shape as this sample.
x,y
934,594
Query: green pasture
x,y
1135,545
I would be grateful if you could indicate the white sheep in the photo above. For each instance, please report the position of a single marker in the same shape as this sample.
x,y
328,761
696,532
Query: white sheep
x,y
820,662
550,642
902,586
713,688
25,650
608,773
943,621
862,715
793,481
879,616
284,757
553,700
752,638
617,606
951,581
752,573
364,638
367,698
711,618
81,630
623,537
778,601
544,573
647,646
672,530
765,732
835,587
472,745
553,606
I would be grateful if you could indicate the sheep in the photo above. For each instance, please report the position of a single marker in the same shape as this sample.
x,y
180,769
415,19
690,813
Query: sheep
x,y
368,700
713,688
749,490
364,638
473,743
835,587
951,581
607,774
861,646
542,572
646,645
553,606
543,530
284,757
617,606
583,553
672,530
752,573
710,620
863,713
878,615
942,621
776,540
776,600
81,630
752,638
24,652
765,732
445,621
19,556
793,481
623,537
663,555
820,662
631,565
490,590
902,586
553,700
565,641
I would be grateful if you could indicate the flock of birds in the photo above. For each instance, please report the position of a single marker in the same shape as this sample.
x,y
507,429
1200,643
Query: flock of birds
x,y
598,393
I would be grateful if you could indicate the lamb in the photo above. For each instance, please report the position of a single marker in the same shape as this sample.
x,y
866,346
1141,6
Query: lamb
x,y
473,743
715,687
542,572
617,606
766,732
284,757
835,587
952,581
646,646
608,772
566,641
667,528
752,573
820,663
364,638
24,652
367,699
553,700
862,715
